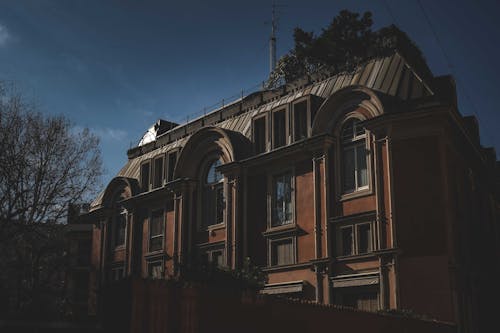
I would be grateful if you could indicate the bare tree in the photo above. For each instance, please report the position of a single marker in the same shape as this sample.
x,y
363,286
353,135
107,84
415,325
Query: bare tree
x,y
45,165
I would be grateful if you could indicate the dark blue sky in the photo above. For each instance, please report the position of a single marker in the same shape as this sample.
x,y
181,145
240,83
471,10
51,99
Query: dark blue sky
x,y
117,66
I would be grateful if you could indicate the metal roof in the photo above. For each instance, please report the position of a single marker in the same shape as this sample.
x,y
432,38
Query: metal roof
x,y
391,75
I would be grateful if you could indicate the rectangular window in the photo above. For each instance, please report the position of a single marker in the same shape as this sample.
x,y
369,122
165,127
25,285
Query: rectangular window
x,y
355,169
172,159
217,258
364,238
347,241
259,135
145,168
282,252
281,199
279,129
361,298
214,257
157,227
300,120
158,172
354,239
155,270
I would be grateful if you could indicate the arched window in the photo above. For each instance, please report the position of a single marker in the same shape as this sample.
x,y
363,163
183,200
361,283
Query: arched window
x,y
213,198
354,166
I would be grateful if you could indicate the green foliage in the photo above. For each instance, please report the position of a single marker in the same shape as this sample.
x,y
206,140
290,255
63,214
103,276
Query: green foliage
x,y
346,43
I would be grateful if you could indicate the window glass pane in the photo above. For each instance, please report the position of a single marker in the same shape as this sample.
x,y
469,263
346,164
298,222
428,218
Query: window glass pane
x,y
214,176
157,227
349,170
282,199
282,252
156,243
145,177
300,120
347,241
158,181
279,129
218,258
362,174
348,130
209,206
364,238
172,159
358,129
360,298
155,270
260,135
219,205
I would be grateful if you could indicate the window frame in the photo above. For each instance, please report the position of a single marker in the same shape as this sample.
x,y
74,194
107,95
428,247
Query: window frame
x,y
151,263
338,173
285,110
202,173
352,144
209,249
169,169
307,100
114,271
271,242
143,187
150,236
355,236
155,172
271,200
264,116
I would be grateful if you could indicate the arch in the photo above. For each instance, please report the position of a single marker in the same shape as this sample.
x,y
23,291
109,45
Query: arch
x,y
229,145
119,188
340,106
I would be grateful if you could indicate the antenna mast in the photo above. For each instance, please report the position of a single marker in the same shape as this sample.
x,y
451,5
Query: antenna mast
x,y
272,42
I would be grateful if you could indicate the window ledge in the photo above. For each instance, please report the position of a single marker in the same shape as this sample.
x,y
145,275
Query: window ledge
x,y
156,255
355,194
281,229
277,268
214,227
368,255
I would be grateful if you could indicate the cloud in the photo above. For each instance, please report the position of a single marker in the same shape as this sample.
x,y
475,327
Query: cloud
x,y
104,133
110,133
4,35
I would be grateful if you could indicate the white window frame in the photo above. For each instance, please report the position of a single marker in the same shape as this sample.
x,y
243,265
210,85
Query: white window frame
x,y
353,144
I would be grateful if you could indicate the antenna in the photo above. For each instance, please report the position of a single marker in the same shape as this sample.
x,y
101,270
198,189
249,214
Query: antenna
x,y
272,41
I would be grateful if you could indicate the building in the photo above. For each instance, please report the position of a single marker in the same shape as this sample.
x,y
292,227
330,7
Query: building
x,y
78,236
365,189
